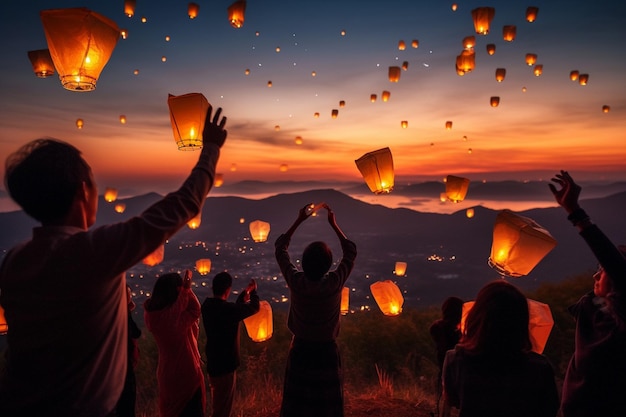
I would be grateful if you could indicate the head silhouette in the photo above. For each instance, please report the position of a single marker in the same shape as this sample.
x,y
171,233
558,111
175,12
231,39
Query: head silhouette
x,y
452,310
221,283
316,260
165,291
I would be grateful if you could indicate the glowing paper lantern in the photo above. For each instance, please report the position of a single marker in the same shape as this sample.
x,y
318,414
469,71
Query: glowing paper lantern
x,y
316,115
443,197
124,33
342,104
259,230
80,43
573,75
606,109
236,12
155,257
404,124
469,42
41,62
110,194
509,32
491,48
518,245
454,7
187,114
260,326
4,327
385,96
456,188
494,101
373,98
401,45
448,125
583,79
269,83
531,14
192,10
531,59
482,17
122,119
334,113
80,123
129,7
388,297
345,301
469,213
500,74
400,269
219,180
283,167
466,62
120,208
538,70
415,43
394,74
405,65
298,140
195,222
203,266
377,169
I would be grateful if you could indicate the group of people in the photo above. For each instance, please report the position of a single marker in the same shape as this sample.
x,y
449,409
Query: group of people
x,y
70,347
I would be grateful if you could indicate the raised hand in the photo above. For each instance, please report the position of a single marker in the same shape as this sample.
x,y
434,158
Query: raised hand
x,y
214,131
567,195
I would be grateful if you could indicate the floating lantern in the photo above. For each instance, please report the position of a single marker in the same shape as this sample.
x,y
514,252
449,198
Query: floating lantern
x,y
482,17
187,115
509,32
316,115
129,7
342,104
192,10
313,73
404,124
373,98
236,12
469,42
283,167
400,269
123,33
456,188
531,59
298,140
573,75
377,169
219,180
278,49
242,220
405,65
500,74
388,297
80,123
491,48
469,213
277,128
41,62
110,194
4,327
394,74
247,71
518,244
538,70
259,230
465,62
343,33
443,197
155,257
583,79
136,72
334,113
385,96
531,14
494,101
195,222
123,119
345,301
401,45
260,326
415,43
269,83
524,89
163,58
448,125
80,43
120,208
167,39
233,167
606,109
203,266
454,7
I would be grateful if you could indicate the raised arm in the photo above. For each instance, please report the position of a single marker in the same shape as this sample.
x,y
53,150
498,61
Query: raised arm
x,y
303,214
333,223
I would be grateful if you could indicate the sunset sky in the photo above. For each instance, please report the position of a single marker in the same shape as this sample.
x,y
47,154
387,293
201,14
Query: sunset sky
x,y
555,124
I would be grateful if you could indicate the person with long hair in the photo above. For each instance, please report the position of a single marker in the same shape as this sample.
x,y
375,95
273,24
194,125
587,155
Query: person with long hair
x,y
492,371
172,315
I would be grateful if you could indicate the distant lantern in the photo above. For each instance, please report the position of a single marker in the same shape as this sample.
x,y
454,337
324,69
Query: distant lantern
x,y
454,7
442,196
394,74
123,119
500,74
219,180
260,326
233,167
538,70
456,188
343,33
110,194
469,213
345,301
144,19
269,83
469,42
466,62
316,115
80,123
373,98
163,58
283,167
531,14
259,230
388,297
405,65
385,96
482,17
80,43
203,266
4,327
334,113
573,75
136,72
400,269
606,109
155,257
342,104
242,220
187,115
415,43
313,73
376,167
167,39
42,63
509,32
195,222
449,125
524,89
401,45
518,245
278,49
583,79
494,101
192,10
120,208
404,124
129,7
531,59
247,71
298,140
236,12
277,128
491,48
124,33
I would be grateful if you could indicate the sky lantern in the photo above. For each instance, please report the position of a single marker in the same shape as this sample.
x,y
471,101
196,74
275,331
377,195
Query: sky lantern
x,y
236,12
195,222
573,75
192,10
80,43
509,32
373,98
167,38
388,297
538,70
203,266
494,101
385,96
124,33
531,59
110,194
518,245
376,167
283,167
415,43
219,180
123,119
129,7
136,72
500,74
345,301
469,42
394,74
120,208
298,140
259,230
606,109
163,58
491,48
469,213
404,124
583,79
42,63
187,115
4,327
334,113
277,128
247,71
342,104
531,13
466,62
482,17
405,65
456,188
155,257
443,197
449,125
269,83
316,115
144,19
313,73
400,269
401,45
454,7
260,326
80,123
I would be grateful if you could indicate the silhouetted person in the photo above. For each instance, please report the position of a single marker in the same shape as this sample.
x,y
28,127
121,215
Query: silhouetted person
x,y
446,333
313,377
221,323
594,381
126,404
64,292
492,372
172,315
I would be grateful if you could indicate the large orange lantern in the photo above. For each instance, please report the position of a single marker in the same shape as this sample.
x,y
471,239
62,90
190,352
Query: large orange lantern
x,y
518,245
260,326
376,167
4,327
531,59
110,194
469,42
531,13
482,17
500,74
509,32
129,7
187,114
236,12
80,43
465,62
203,266
456,188
345,301
400,269
155,257
404,124
394,74
388,297
41,62
192,10
259,230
